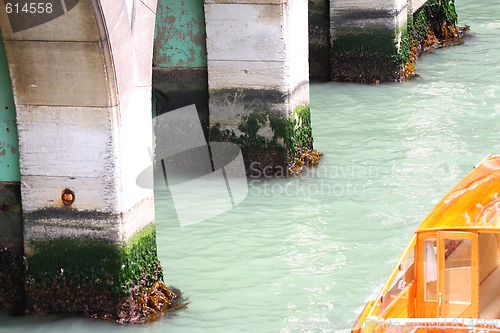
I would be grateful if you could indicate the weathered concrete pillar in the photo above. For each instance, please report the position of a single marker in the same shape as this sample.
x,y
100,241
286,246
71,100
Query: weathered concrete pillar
x,y
180,58
258,79
11,222
82,87
366,39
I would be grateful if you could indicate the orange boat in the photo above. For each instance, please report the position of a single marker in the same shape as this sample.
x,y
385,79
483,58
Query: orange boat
x,y
448,277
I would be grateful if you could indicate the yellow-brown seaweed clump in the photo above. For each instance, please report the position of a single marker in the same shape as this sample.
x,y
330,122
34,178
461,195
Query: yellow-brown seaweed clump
x,y
430,42
155,302
148,306
452,33
308,159
409,68
450,36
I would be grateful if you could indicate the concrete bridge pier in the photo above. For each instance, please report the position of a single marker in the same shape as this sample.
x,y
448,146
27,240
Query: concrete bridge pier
x,y
372,40
258,79
81,83
366,39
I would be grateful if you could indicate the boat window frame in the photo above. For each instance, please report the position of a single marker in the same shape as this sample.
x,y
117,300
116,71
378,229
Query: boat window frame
x,y
411,247
472,236
425,308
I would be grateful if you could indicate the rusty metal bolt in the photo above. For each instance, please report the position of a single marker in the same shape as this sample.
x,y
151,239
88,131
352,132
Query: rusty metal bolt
x,y
67,197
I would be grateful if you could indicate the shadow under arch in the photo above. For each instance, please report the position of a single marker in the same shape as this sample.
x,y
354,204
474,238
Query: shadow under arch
x,y
12,295
180,76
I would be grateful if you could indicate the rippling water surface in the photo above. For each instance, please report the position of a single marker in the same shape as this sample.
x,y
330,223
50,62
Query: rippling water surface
x,y
304,255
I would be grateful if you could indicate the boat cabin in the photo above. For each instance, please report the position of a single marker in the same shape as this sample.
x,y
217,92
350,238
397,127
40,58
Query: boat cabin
x,y
451,266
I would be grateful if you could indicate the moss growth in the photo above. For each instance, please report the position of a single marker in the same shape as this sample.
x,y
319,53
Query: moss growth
x,y
140,254
365,55
91,275
374,55
430,27
290,137
377,43
254,146
403,54
433,15
299,132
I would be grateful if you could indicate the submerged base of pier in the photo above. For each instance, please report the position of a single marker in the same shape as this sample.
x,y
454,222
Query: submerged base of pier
x,y
373,45
92,276
12,268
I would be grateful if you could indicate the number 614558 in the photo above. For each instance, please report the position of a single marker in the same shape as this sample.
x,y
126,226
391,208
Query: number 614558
x,y
29,8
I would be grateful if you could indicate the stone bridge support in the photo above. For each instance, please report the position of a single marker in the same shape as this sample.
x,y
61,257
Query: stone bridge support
x,y
258,79
82,91
372,40
366,39
245,66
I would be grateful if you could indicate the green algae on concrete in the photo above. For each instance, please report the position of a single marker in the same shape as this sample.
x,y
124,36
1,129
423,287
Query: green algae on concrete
x,y
269,139
94,276
365,55
299,138
377,53
434,16
364,42
259,151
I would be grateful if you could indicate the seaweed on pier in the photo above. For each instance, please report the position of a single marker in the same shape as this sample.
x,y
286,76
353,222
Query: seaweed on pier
x,y
156,301
432,26
450,36
268,138
409,69
308,159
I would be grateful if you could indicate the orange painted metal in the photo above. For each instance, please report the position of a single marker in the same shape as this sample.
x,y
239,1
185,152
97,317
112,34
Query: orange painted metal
x,y
470,208
473,203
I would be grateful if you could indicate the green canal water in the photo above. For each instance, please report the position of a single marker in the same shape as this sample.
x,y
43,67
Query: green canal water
x,y
304,255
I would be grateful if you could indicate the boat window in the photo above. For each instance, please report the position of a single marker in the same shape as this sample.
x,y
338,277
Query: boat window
x,y
457,265
404,277
430,269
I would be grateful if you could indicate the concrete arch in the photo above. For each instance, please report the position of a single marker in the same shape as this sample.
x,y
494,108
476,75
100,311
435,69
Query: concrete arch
x,y
84,74
81,83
